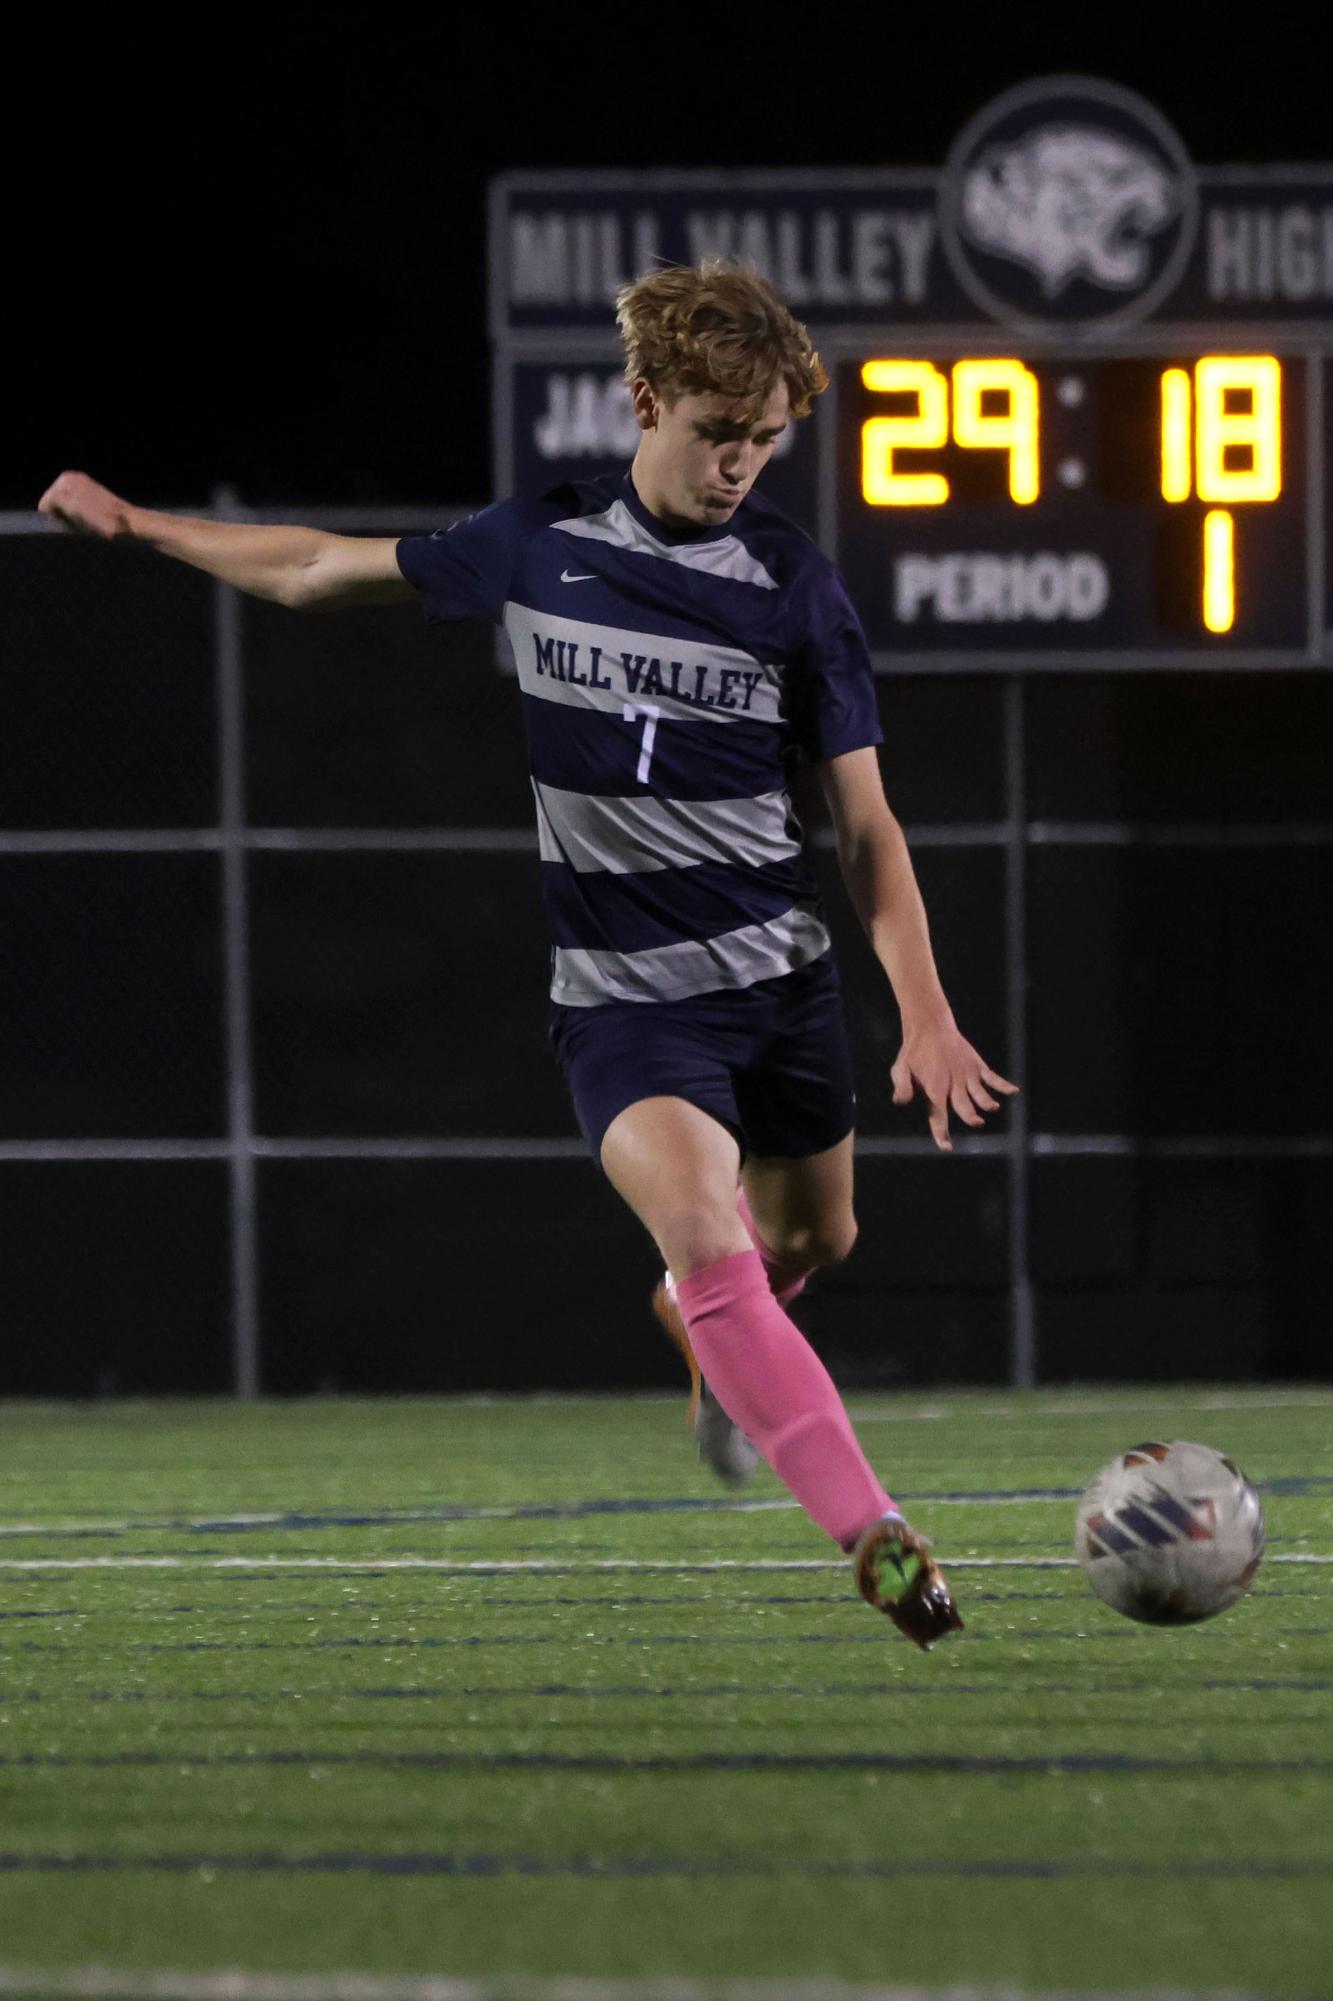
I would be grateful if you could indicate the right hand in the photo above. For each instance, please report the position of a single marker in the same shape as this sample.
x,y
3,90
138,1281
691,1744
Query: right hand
x,y
79,503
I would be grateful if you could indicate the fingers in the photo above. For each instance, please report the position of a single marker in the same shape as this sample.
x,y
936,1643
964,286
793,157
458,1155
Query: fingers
x,y
951,1078
962,1095
941,1093
962,1104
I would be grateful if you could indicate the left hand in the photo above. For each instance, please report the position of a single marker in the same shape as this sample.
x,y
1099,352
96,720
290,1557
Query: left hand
x,y
942,1063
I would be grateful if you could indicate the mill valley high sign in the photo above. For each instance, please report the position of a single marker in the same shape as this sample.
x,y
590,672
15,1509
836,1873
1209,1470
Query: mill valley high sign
x,y
1078,383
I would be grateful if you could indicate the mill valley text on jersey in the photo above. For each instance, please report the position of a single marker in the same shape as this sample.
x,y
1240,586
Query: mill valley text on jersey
x,y
696,682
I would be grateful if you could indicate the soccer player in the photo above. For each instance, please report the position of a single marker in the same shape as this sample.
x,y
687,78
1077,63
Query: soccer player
x,y
681,647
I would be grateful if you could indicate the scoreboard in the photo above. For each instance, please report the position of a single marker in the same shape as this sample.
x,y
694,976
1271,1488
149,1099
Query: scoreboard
x,y
1079,398
1103,502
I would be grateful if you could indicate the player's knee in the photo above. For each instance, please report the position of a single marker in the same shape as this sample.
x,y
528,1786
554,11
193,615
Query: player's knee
x,y
834,1243
691,1235
819,1244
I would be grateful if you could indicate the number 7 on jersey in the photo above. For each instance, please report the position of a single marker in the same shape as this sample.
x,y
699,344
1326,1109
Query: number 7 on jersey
x,y
645,712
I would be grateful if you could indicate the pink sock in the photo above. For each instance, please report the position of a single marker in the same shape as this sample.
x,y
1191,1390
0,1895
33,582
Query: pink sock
x,y
786,1276
770,1382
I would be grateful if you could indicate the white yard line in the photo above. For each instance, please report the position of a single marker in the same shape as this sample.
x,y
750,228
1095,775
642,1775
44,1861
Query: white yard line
x,y
110,1983
485,1565
926,1413
1238,1400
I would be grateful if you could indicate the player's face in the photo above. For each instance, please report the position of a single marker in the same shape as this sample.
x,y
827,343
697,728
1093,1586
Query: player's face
x,y
698,458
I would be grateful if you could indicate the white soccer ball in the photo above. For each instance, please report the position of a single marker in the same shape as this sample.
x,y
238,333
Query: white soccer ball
x,y
1170,1534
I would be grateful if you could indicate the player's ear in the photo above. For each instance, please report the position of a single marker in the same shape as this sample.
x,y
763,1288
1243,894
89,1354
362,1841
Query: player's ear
x,y
644,402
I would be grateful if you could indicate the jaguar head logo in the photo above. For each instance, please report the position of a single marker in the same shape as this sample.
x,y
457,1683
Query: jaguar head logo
x,y
1070,202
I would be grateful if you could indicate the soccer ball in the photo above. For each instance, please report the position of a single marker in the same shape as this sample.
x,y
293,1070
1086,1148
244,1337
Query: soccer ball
x,y
1170,1534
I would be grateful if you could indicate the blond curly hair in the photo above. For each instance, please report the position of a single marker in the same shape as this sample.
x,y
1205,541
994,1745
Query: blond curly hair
x,y
719,329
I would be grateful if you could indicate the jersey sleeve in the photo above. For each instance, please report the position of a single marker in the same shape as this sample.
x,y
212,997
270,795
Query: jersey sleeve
x,y
834,708
465,571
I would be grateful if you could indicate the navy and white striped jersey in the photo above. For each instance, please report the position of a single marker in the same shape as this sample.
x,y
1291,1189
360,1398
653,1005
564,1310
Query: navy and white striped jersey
x,y
670,682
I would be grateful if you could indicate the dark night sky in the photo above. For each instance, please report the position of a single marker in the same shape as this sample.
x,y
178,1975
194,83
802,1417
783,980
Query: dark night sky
x,y
263,261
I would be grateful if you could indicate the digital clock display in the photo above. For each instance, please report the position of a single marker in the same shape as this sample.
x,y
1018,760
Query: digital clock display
x,y
1006,502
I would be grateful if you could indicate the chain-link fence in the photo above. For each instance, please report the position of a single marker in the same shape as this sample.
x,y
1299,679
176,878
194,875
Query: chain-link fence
x,y
278,1111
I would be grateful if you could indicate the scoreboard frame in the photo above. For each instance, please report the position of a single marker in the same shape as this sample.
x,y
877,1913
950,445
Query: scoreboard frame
x,y
561,242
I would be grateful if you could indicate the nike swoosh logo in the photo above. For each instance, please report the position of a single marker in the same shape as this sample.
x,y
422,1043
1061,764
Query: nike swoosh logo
x,y
567,577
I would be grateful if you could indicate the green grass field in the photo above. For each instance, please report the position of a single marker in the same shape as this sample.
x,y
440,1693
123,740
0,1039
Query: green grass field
x,y
512,1688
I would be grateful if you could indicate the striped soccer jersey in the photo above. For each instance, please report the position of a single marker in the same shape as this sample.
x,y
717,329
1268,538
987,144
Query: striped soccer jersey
x,y
670,682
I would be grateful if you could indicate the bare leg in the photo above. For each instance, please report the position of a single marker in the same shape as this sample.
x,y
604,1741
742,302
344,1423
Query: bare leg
x,y
678,1169
806,1211
803,1208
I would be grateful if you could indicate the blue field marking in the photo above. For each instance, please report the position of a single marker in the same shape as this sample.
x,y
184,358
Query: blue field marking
x,y
524,1692
444,1514
683,1764
824,1690
519,1511
483,1863
58,1534
635,1690
281,1522
428,1642
1068,1593
433,1641
465,1558
621,1600
348,1644
712,1691
1268,1687
105,1695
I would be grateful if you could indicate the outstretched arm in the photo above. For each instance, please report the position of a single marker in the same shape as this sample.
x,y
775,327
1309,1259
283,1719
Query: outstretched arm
x,y
882,885
304,568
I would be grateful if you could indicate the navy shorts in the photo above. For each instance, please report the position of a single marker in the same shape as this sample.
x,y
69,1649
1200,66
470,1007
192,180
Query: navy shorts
x,y
770,1062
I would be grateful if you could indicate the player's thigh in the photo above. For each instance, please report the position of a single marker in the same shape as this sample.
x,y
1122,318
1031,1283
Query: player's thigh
x,y
677,1167
804,1207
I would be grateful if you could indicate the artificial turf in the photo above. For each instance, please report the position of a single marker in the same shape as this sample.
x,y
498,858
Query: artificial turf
x,y
275,1751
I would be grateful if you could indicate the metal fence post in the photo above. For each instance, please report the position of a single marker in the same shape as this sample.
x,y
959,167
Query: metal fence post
x,y
236,976
1022,1325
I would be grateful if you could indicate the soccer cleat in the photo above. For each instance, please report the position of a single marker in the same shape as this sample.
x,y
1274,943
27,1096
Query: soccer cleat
x,y
722,1445
673,1325
896,1574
